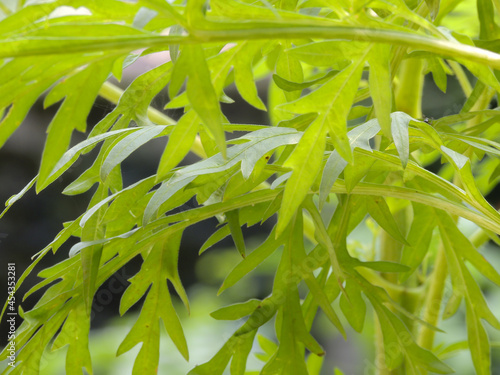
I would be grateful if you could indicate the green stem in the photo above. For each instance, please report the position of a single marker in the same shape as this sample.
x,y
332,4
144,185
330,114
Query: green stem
x,y
5,9
323,235
433,300
411,83
479,238
390,249
440,273
408,99
461,77
113,93
29,46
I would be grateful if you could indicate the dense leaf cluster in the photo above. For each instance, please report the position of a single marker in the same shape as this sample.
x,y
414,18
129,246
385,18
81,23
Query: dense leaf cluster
x,y
327,147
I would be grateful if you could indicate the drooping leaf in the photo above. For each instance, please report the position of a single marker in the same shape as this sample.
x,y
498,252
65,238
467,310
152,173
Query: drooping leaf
x,y
158,305
179,143
287,85
289,68
380,85
333,168
353,306
379,210
419,238
399,131
236,311
79,91
233,220
252,260
201,94
248,153
18,196
306,162
128,145
243,75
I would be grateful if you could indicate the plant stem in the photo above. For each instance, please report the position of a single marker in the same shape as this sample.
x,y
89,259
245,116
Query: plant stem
x,y
411,83
31,46
433,299
437,281
390,249
5,9
113,94
408,99
461,77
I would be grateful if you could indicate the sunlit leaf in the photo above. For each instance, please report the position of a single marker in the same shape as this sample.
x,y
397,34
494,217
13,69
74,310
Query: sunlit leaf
x,y
179,143
399,131
236,311
306,162
380,85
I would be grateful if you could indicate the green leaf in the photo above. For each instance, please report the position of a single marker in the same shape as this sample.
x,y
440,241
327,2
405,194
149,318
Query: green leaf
x,y
164,192
179,143
18,196
289,357
478,343
216,365
158,305
464,116
79,91
77,325
399,131
287,85
303,267
289,68
73,153
143,17
242,349
306,163
419,237
484,73
202,95
433,6
248,153
360,136
333,168
126,146
233,220
314,364
91,256
355,172
489,29
463,168
399,344
300,122
379,210
236,311
333,101
380,85
268,346
476,305
216,237
383,266
243,75
439,70
464,248
252,260
353,306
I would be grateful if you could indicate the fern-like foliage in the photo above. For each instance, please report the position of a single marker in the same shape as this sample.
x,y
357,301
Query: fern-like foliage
x,y
323,60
